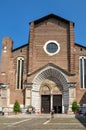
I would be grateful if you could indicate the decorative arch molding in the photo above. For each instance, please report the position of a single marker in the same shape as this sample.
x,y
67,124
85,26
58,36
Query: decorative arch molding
x,y
52,74
49,87
45,89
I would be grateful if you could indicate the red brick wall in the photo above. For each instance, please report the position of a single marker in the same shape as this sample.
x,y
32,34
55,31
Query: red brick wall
x,y
15,93
67,58
80,93
9,66
40,33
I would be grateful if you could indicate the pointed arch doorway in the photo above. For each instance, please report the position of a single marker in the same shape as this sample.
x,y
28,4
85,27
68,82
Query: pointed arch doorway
x,y
50,87
51,96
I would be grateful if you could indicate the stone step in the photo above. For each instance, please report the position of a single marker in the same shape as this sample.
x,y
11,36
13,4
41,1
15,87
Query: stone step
x,y
55,129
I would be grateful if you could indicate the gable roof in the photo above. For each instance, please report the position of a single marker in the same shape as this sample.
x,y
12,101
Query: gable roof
x,y
51,16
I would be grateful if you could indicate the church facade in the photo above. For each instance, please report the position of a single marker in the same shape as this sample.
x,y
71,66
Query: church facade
x,y
47,72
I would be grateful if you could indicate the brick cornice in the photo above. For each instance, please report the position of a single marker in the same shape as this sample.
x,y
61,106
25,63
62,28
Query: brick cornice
x,y
52,65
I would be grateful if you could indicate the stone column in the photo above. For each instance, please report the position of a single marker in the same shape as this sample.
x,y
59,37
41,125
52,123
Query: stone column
x,y
27,97
51,101
62,105
28,94
8,97
72,97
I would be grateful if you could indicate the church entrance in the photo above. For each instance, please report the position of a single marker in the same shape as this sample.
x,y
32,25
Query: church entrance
x,y
50,90
51,101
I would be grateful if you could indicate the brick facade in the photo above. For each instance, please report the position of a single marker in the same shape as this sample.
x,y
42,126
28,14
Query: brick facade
x,y
40,66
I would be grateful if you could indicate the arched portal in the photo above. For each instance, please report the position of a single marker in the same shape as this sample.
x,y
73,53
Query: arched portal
x,y
51,96
50,84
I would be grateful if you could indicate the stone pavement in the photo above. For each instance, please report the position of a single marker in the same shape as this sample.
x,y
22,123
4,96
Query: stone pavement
x,y
25,115
42,122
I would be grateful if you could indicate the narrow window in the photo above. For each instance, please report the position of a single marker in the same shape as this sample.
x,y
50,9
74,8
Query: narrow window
x,y
83,72
20,69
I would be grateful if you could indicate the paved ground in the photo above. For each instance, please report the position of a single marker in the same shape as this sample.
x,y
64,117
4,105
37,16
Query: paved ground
x,y
42,122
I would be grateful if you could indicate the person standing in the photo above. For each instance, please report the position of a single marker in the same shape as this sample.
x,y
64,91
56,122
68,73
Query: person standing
x,y
52,113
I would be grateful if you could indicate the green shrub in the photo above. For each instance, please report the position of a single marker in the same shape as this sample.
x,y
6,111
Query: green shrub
x,y
16,107
75,107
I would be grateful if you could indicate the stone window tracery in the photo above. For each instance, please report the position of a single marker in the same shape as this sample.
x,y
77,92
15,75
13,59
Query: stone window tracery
x,y
20,69
83,71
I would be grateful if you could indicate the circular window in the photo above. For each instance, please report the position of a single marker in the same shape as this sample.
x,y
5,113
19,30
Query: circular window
x,y
51,47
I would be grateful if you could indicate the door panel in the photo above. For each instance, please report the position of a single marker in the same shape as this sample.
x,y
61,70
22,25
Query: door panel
x,y
45,103
57,103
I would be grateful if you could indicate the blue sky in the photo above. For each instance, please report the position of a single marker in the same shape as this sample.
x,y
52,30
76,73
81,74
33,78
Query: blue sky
x,y
15,16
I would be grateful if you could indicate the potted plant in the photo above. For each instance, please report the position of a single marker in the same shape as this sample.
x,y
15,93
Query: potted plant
x,y
75,107
16,107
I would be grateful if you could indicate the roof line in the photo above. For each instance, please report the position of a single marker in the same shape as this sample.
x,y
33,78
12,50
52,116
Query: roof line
x,y
80,45
49,16
20,47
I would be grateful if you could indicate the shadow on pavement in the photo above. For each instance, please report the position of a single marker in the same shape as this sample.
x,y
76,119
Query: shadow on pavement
x,y
81,119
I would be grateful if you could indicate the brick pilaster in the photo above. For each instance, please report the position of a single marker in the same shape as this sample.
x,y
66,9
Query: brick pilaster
x,y
72,49
30,64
